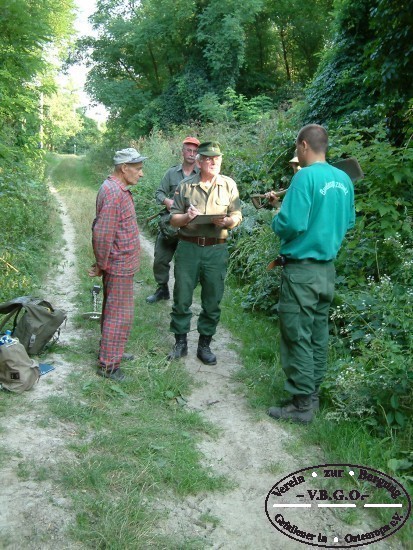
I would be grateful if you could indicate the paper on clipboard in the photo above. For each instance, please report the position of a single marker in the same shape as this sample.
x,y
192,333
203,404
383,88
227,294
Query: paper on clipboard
x,y
205,218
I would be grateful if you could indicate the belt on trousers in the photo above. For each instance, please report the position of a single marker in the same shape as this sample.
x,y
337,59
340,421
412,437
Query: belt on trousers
x,y
306,261
202,241
281,261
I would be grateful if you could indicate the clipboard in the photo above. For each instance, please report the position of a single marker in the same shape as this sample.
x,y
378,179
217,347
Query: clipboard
x,y
203,219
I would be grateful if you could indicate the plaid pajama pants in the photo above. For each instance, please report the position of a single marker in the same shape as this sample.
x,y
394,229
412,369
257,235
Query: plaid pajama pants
x,y
117,318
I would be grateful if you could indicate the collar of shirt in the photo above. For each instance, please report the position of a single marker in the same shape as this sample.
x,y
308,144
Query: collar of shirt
x,y
216,180
179,168
122,185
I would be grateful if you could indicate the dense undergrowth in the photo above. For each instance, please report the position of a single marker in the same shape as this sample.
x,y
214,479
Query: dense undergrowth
x,y
28,217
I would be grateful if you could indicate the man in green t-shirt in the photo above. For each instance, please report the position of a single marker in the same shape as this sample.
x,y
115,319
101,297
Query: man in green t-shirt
x,y
312,221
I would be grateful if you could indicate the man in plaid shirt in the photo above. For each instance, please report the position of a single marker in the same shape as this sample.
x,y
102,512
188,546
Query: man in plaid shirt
x,y
115,240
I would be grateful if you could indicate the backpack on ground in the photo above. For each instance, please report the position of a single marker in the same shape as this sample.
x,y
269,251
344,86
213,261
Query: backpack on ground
x,y
17,371
39,323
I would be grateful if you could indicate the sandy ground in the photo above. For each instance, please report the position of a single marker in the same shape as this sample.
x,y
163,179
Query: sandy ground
x,y
36,514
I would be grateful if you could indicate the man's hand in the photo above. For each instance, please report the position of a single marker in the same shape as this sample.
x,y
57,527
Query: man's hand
x,y
192,212
273,199
95,271
222,221
168,203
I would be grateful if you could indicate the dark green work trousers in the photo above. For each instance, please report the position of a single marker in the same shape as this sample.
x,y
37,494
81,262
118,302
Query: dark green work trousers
x,y
208,266
307,290
164,252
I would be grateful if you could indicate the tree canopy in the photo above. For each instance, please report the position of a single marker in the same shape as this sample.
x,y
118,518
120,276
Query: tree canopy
x,y
156,63
33,35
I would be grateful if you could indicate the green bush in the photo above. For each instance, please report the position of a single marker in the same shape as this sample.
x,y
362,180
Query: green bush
x,y
27,214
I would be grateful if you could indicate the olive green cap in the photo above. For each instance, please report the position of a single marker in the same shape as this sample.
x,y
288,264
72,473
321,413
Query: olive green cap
x,y
210,149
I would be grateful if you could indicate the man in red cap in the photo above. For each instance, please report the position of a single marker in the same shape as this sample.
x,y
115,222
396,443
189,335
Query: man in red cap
x,y
167,239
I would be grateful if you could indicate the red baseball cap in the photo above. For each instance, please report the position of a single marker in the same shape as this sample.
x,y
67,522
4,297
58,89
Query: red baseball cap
x,y
192,140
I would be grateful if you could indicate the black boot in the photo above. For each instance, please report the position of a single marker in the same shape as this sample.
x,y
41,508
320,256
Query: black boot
x,y
204,352
299,410
161,293
315,400
180,348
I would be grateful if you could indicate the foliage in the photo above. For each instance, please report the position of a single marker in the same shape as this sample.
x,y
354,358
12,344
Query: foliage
x,y
253,248
61,121
389,60
89,135
373,377
26,34
383,202
168,62
369,63
27,216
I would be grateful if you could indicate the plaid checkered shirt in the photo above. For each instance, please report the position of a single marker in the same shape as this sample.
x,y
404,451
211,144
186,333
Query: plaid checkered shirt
x,y
115,232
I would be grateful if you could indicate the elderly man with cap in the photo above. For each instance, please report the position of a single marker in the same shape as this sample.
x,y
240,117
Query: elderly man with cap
x,y
115,240
205,207
167,239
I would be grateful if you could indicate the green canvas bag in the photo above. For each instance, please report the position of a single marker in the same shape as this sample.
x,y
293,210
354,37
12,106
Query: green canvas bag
x,y
39,323
169,232
17,371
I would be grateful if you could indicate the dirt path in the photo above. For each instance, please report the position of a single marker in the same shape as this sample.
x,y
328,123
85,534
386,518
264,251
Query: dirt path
x,y
36,513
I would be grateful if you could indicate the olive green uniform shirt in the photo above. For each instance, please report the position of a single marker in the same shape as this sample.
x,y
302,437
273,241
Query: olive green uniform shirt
x,y
170,181
220,198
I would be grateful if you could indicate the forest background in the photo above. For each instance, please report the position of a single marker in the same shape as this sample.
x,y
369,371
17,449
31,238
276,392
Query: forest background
x,y
249,75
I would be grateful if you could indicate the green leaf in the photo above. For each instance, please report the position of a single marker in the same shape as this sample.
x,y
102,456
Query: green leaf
x,y
399,464
400,418
390,417
394,401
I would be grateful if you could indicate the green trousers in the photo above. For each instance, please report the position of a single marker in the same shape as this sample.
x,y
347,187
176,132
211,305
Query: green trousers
x,y
195,264
307,290
164,252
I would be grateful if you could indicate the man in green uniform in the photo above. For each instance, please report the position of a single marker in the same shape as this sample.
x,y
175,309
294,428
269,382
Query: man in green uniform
x,y
313,219
166,241
205,207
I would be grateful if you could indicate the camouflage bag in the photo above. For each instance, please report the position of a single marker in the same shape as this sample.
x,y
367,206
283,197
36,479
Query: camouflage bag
x,y
168,232
37,326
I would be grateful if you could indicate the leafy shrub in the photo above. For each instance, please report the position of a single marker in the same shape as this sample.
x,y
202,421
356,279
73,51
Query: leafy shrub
x,y
27,218
373,376
252,247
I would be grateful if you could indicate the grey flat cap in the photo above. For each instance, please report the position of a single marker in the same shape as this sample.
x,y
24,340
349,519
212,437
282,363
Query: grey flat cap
x,y
128,156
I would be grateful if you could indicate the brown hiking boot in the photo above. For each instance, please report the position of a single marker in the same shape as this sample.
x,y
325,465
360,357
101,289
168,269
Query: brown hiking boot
x,y
299,410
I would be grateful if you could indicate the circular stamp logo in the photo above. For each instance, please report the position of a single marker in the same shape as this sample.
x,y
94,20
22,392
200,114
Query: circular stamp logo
x,y
295,502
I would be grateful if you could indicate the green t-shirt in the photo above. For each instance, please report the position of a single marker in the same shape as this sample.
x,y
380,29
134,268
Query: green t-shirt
x,y
316,212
